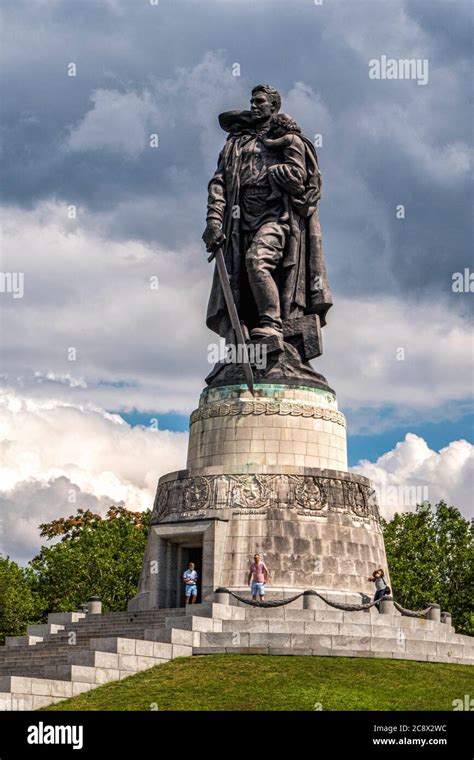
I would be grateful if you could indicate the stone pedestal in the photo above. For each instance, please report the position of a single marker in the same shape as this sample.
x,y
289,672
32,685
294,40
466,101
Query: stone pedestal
x,y
268,474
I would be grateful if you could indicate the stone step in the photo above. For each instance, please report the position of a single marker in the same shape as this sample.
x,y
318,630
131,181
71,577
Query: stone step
x,y
97,625
113,626
62,649
131,616
30,693
166,650
191,636
230,612
97,632
387,628
178,636
47,658
108,659
90,658
319,643
44,629
12,642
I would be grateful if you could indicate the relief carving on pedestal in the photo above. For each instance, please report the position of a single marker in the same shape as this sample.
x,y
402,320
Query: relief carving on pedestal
x,y
309,495
196,493
361,500
262,406
161,505
251,491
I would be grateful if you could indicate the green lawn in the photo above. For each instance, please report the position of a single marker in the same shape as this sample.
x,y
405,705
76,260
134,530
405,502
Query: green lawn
x,y
252,682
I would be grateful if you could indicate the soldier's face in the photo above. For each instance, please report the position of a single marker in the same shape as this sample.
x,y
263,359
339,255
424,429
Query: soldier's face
x,y
261,106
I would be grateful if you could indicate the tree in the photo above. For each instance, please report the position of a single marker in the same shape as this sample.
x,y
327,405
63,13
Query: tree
x,y
19,604
96,556
430,554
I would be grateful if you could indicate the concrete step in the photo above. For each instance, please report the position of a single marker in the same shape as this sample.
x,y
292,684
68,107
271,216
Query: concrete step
x,y
369,645
387,628
44,629
329,615
20,641
97,632
108,659
161,649
91,625
117,617
100,630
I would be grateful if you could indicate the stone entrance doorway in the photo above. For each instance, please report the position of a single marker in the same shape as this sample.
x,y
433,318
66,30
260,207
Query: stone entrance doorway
x,y
191,554
177,552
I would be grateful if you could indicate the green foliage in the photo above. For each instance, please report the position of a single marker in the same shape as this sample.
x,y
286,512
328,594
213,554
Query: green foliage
x,y
19,604
430,555
96,556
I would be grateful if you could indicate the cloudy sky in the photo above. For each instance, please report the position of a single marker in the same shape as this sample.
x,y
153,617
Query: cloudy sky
x,y
99,369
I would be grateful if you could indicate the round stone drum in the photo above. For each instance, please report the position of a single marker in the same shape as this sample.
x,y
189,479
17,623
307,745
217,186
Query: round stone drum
x,y
265,473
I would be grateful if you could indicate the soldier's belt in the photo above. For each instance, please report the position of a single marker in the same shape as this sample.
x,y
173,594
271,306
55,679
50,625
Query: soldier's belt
x,y
256,190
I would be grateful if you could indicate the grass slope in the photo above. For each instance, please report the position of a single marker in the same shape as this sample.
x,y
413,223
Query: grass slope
x,y
253,682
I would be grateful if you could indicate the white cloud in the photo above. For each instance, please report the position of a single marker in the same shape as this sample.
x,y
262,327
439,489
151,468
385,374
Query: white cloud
x,y
373,28
95,296
417,139
412,472
146,349
195,96
50,449
362,360
308,109
120,122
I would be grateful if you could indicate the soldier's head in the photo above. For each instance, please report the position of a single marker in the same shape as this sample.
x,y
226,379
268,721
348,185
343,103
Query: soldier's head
x,y
265,102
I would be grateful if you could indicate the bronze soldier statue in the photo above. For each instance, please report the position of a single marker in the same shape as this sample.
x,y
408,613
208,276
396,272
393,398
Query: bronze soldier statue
x,y
263,211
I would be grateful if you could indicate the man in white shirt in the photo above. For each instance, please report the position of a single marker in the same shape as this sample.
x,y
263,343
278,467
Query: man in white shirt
x,y
190,577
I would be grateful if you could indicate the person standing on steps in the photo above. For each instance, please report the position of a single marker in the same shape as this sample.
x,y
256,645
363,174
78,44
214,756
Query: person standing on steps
x,y
257,577
381,587
190,577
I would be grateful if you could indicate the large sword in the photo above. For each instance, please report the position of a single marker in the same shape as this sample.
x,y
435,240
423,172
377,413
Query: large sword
x,y
233,315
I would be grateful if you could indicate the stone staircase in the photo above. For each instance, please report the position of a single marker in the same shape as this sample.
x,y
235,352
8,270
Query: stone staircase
x,y
75,652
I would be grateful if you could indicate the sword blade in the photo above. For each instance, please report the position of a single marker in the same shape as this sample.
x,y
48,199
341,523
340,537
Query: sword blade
x,y
234,317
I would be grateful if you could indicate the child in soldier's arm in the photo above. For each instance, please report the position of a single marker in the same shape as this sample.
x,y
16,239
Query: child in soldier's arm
x,y
280,137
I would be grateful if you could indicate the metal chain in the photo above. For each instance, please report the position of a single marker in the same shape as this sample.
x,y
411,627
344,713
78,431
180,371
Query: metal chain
x,y
337,605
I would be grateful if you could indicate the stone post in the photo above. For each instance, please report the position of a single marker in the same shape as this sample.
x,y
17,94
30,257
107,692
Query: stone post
x,y
387,606
446,618
310,601
434,613
94,606
221,596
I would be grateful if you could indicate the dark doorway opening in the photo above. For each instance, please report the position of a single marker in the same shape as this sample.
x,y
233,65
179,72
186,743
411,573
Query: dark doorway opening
x,y
191,554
